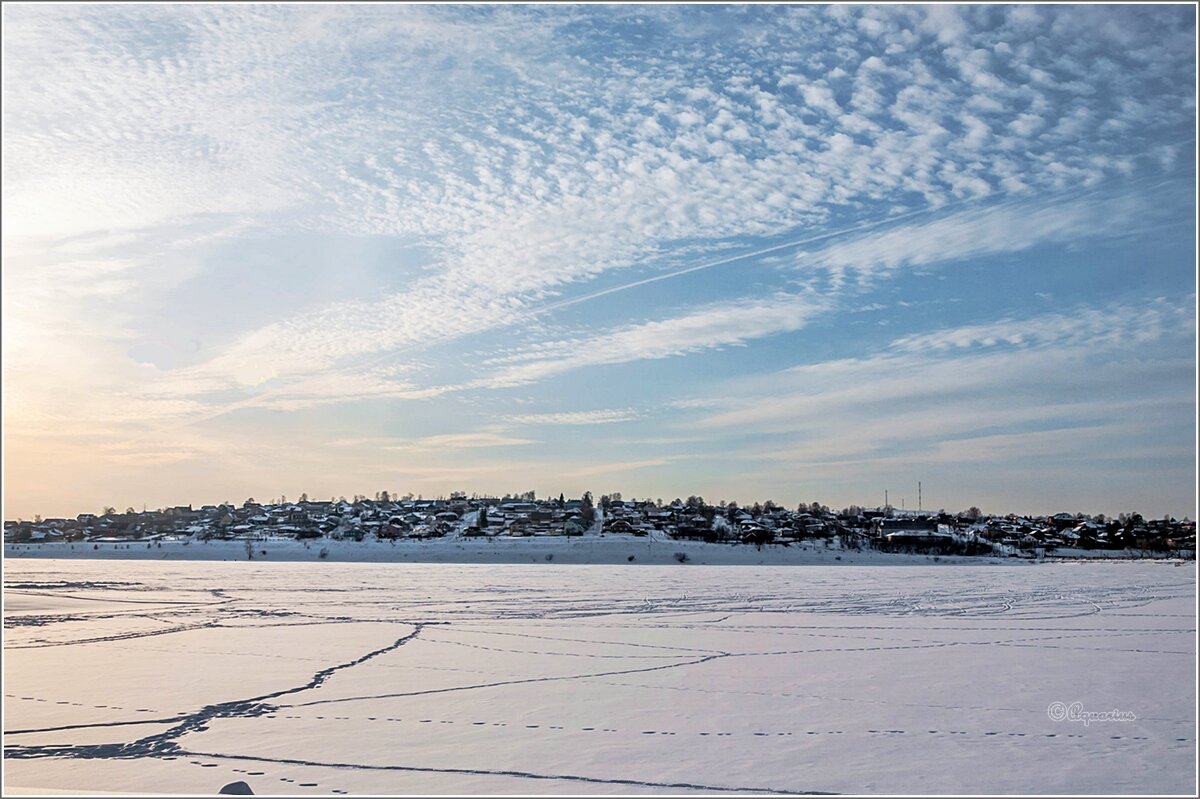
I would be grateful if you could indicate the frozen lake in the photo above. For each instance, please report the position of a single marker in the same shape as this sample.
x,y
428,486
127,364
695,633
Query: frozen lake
x,y
320,678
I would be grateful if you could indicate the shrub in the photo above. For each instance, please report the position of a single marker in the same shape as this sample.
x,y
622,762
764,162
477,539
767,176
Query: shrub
x,y
549,556
630,558
682,557
324,553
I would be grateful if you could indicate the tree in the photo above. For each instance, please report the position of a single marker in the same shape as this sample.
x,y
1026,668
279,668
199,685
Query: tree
x,y
109,510
605,501
482,520
586,509
562,500
37,518
386,497
973,513
130,511
304,497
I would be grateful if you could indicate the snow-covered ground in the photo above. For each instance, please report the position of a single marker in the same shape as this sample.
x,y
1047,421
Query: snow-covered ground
x,y
330,677
657,549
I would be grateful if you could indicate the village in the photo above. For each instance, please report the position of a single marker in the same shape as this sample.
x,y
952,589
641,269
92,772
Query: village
x,y
765,524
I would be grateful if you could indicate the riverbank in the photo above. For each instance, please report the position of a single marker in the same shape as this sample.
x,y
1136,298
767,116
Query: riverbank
x,y
581,550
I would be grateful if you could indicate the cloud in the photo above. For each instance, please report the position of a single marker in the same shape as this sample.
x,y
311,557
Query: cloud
x,y
607,416
1113,326
618,467
1060,371
1010,227
445,443
732,324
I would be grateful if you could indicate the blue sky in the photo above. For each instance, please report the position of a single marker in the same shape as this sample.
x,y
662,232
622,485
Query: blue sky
x,y
748,252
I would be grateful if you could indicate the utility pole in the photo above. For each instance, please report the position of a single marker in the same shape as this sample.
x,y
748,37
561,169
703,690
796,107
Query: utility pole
x,y
918,496
885,499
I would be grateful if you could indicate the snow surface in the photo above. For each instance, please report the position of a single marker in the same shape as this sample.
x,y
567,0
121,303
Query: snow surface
x,y
657,549
330,678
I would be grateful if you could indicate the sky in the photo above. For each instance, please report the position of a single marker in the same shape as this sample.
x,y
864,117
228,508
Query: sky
x,y
797,252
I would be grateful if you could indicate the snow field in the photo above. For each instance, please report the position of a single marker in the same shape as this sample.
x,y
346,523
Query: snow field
x,y
444,678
